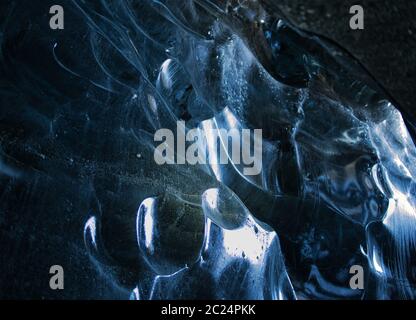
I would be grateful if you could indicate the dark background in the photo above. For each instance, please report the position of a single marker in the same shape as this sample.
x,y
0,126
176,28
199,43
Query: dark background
x,y
386,46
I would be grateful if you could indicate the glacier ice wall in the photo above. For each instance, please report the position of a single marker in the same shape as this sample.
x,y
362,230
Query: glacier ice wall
x,y
337,187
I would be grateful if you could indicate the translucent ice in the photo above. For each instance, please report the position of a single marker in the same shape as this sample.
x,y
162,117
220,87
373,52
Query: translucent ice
x,y
337,187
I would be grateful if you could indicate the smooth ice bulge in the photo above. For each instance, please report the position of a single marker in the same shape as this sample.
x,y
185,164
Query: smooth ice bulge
x,y
238,258
170,233
337,185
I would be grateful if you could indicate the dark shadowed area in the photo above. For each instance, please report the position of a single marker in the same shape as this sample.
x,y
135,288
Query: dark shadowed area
x,y
386,46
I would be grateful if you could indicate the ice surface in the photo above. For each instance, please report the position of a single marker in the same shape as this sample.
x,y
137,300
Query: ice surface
x,y
337,187
338,162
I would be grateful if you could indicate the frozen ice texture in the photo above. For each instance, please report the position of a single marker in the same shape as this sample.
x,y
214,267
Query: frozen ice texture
x,y
337,187
338,182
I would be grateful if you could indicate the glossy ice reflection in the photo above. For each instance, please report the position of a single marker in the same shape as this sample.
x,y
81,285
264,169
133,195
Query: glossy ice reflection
x,y
337,186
